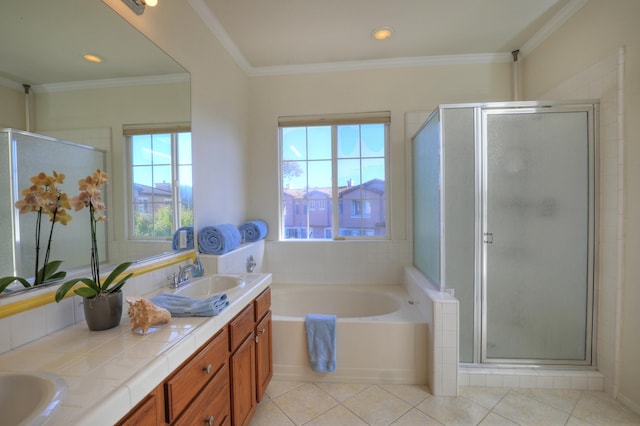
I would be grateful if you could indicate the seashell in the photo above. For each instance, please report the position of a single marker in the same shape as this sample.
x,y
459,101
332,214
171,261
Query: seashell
x,y
144,314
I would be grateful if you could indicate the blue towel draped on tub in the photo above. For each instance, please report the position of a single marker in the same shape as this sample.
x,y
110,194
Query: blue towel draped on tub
x,y
175,245
218,239
321,342
182,306
254,230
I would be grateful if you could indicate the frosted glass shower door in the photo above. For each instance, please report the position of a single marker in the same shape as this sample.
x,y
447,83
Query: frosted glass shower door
x,y
537,236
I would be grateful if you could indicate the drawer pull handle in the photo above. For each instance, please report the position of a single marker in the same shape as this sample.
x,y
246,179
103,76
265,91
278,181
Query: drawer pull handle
x,y
257,339
207,369
210,420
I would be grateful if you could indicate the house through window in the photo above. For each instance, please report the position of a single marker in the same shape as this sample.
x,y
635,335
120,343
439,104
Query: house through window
x,y
160,180
329,161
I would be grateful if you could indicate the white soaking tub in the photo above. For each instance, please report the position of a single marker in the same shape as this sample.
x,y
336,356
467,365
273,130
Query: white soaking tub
x,y
381,333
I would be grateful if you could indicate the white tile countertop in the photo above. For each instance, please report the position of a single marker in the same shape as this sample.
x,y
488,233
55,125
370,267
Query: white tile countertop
x,y
109,372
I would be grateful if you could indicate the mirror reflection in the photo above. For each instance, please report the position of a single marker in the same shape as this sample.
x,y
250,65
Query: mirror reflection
x,y
134,105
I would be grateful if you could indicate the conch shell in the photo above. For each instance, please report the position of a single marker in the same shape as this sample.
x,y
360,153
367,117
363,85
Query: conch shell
x,y
144,314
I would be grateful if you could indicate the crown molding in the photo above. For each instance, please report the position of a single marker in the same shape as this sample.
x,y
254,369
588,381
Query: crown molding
x,y
11,84
552,25
372,64
216,28
112,83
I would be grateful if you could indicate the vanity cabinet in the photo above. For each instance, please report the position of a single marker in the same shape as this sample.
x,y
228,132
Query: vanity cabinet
x,y
243,366
149,412
189,382
264,349
222,383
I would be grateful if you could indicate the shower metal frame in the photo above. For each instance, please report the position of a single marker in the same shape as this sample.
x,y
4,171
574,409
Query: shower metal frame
x,y
480,286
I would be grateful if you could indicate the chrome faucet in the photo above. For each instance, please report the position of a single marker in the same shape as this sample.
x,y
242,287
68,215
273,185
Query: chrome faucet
x,y
183,273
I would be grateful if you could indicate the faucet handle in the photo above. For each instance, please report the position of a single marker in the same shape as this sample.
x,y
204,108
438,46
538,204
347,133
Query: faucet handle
x,y
173,279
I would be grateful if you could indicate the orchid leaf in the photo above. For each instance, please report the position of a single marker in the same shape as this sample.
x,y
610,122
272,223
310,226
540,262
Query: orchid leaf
x,y
5,281
115,273
120,283
64,288
85,292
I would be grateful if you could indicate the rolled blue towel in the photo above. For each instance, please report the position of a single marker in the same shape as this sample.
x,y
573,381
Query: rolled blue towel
x,y
321,342
218,239
254,230
175,245
182,306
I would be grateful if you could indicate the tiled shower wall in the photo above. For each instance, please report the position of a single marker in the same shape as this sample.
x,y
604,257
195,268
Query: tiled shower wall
x,y
605,81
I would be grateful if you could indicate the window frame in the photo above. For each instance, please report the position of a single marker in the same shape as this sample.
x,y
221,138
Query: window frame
x,y
336,203
149,129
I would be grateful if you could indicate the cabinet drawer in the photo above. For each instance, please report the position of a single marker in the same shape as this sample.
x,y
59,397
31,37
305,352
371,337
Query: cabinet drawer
x,y
212,405
241,326
263,304
192,376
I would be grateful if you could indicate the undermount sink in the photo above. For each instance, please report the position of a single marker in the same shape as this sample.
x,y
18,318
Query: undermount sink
x,y
208,286
29,398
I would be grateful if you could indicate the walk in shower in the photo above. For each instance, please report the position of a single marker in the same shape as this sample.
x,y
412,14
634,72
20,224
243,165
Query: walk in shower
x,y
505,219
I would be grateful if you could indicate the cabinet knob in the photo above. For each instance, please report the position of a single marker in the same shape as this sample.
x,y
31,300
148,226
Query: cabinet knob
x,y
262,331
257,339
207,369
209,420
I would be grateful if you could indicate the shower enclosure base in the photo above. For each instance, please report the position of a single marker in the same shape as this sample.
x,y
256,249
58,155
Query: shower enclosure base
x,y
531,378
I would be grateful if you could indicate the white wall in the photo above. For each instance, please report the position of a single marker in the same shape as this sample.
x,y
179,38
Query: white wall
x,y
599,29
396,90
12,107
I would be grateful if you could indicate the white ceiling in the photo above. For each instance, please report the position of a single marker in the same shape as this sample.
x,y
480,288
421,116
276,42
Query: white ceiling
x,y
42,40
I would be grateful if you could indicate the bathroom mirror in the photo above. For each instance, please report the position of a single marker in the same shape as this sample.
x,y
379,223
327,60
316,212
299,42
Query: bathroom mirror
x,y
72,99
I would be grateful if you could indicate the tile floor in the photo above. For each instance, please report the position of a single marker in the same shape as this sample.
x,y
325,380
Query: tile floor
x,y
329,404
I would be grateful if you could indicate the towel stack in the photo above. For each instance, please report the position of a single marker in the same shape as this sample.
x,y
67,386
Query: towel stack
x,y
254,230
175,245
218,239
182,306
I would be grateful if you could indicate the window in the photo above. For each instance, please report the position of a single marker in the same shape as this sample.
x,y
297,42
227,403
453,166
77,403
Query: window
x,y
333,176
160,181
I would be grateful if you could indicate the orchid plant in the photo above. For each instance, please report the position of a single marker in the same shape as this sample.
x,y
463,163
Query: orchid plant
x,y
44,198
91,196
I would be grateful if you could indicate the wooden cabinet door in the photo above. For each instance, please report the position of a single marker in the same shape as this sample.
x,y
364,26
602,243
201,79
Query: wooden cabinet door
x,y
264,355
149,412
211,406
243,382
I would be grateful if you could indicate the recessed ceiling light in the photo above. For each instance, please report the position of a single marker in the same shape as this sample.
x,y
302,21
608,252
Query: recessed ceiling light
x,y
382,33
90,57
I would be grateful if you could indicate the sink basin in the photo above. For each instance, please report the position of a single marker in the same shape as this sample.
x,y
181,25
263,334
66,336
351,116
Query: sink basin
x,y
208,286
29,398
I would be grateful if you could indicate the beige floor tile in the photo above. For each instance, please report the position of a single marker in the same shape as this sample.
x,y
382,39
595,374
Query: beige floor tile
x,y
340,391
416,417
488,397
599,409
527,411
377,406
304,403
411,394
453,410
493,419
268,414
278,387
337,416
574,421
563,400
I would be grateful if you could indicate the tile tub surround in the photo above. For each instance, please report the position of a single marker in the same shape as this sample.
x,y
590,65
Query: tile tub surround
x,y
109,372
234,261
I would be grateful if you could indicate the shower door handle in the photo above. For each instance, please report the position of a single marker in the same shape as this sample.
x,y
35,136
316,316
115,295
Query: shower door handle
x,y
488,238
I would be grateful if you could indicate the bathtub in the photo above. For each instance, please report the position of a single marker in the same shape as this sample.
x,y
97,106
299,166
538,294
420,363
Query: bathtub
x,y
381,334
